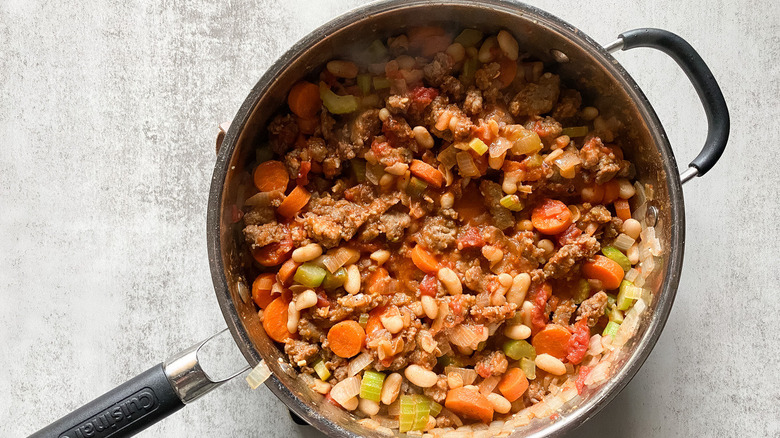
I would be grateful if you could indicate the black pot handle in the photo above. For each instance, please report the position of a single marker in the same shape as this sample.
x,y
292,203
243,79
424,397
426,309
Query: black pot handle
x,y
141,401
705,84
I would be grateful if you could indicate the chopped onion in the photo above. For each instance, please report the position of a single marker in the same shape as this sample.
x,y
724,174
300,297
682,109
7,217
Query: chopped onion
x,y
527,143
358,364
467,374
499,146
345,390
594,345
462,336
640,280
258,375
392,423
339,257
466,165
394,408
566,164
623,242
488,385
264,199
438,323
598,374
648,235
374,172
631,275
449,414
447,157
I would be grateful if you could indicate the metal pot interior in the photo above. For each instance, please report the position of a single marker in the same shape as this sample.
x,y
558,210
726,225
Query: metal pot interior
x,y
585,66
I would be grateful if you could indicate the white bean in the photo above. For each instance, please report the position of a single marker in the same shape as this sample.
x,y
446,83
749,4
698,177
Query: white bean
x,y
391,388
492,253
500,404
397,169
589,113
454,380
508,45
429,306
307,252
546,245
380,256
551,364
505,279
343,69
321,387
447,200
384,115
632,227
393,324
306,299
450,281
420,376
368,407
457,52
517,331
351,404
292,318
352,285
526,312
485,54
423,137
519,288
627,189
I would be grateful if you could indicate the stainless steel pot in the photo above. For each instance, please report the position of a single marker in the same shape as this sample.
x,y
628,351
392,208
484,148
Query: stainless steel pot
x,y
580,62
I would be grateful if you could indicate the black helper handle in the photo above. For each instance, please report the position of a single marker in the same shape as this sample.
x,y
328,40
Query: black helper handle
x,y
124,411
718,122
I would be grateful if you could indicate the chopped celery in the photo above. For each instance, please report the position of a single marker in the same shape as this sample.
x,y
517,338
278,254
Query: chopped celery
x,y
617,256
335,280
376,51
616,315
322,370
435,408
469,37
363,320
512,202
371,385
627,294
310,275
534,160
469,69
478,146
414,411
611,328
364,83
517,350
359,169
529,367
381,83
575,131
610,303
337,104
582,292
416,187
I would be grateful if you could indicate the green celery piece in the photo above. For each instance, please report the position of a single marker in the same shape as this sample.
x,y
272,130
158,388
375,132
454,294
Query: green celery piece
x,y
416,187
617,255
529,367
358,167
322,371
611,329
627,294
516,350
511,202
616,315
335,280
478,146
381,83
435,408
576,131
583,291
469,69
363,320
364,83
611,300
376,51
469,37
337,104
371,385
310,275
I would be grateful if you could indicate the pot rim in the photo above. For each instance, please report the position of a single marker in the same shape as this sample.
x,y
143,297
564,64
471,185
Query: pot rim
x,y
666,296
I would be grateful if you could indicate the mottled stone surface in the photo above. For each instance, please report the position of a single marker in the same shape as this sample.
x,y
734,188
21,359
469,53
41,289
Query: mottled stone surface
x,y
108,112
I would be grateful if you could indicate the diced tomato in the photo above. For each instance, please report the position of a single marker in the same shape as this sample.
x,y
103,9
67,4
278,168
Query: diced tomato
x,y
483,132
578,343
569,235
540,294
380,148
303,173
581,376
471,238
429,286
422,97
322,299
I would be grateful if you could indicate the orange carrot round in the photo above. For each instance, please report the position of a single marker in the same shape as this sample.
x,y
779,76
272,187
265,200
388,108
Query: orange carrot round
x,y
275,320
271,175
374,320
611,191
622,209
605,270
376,282
469,403
286,271
551,217
427,173
304,99
346,338
553,339
513,384
424,260
261,290
294,202
274,253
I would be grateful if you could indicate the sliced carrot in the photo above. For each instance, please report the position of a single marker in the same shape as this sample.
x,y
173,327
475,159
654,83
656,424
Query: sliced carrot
x,y
274,253
513,384
507,71
294,202
427,173
553,340
376,282
469,403
593,193
304,99
275,320
374,320
261,290
424,260
622,209
611,191
286,271
346,338
551,217
271,175
605,270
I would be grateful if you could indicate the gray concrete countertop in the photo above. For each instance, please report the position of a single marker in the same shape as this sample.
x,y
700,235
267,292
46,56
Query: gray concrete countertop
x,y
108,113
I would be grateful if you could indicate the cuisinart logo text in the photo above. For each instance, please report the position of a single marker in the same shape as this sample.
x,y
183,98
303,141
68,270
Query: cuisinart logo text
x,y
115,418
